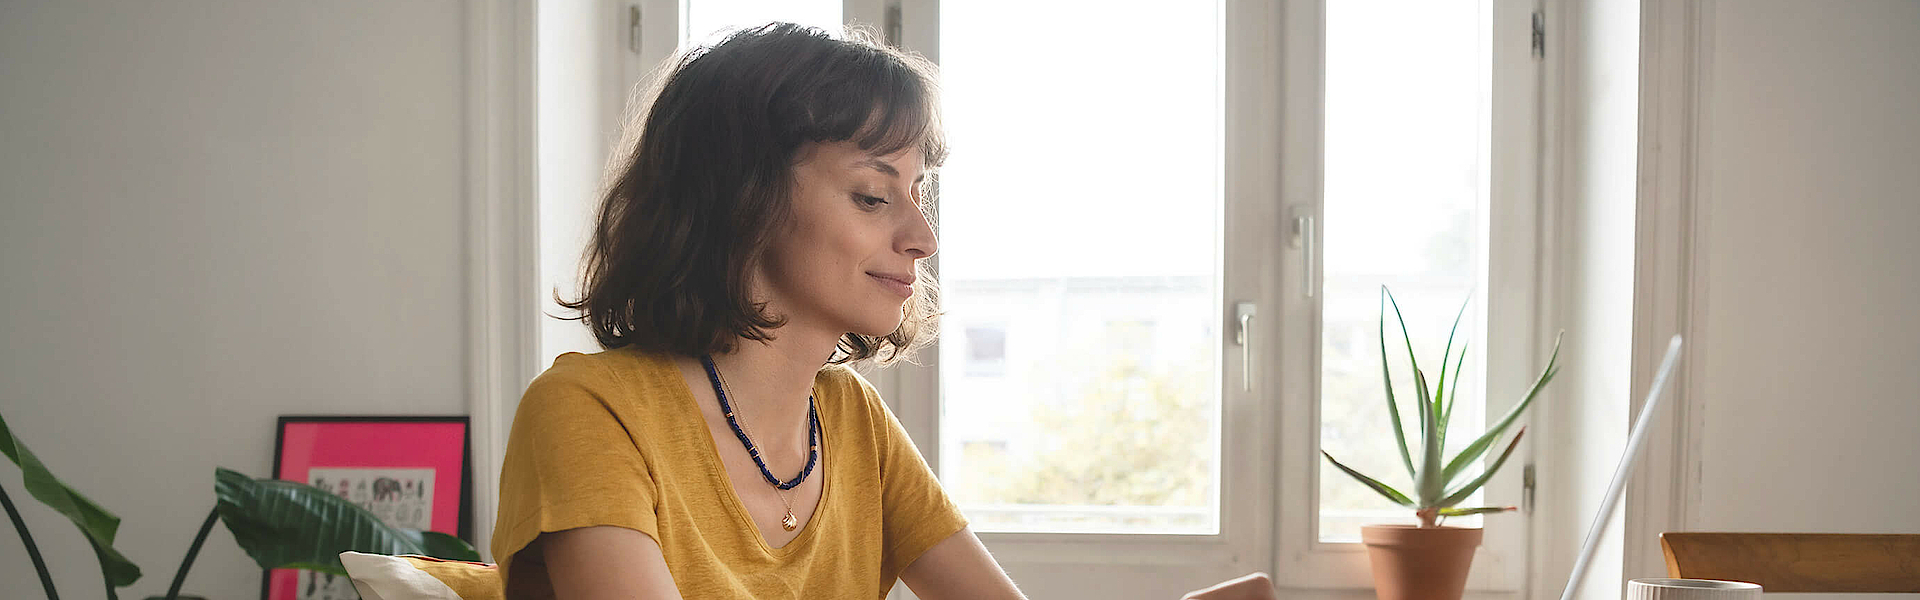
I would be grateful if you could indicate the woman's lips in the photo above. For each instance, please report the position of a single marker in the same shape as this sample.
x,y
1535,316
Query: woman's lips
x,y
898,287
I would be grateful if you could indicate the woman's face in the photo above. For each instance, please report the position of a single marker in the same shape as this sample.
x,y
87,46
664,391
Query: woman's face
x,y
846,262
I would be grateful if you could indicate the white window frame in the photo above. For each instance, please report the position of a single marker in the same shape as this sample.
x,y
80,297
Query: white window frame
x,y
1511,288
1273,162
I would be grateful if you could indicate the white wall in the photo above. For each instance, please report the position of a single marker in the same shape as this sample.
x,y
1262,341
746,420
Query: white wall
x,y
1796,150
1809,162
212,214
1786,140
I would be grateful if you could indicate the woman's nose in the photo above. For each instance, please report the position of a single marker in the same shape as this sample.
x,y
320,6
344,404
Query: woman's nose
x,y
920,241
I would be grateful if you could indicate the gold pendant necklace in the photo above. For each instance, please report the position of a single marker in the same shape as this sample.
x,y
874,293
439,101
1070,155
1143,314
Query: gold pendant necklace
x,y
788,522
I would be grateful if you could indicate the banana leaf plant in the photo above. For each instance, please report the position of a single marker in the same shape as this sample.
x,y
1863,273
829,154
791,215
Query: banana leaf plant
x,y
280,524
95,523
1441,484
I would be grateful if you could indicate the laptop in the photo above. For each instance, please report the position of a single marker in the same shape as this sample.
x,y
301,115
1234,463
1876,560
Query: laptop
x,y
1628,459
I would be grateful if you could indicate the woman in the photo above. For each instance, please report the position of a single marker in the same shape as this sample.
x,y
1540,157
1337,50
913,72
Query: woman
x,y
767,230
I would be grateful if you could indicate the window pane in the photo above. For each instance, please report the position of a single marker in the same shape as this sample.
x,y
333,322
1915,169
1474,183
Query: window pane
x,y
1080,240
705,18
1407,105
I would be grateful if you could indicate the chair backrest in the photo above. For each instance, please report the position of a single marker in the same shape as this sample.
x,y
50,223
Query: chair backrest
x,y
1799,562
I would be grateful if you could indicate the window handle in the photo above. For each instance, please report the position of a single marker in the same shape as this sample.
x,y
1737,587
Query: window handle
x,y
1244,336
1302,240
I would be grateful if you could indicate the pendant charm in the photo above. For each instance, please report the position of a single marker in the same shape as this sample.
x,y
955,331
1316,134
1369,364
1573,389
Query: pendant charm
x,y
789,522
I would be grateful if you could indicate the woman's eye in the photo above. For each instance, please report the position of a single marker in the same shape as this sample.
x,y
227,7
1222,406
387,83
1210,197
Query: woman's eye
x,y
868,201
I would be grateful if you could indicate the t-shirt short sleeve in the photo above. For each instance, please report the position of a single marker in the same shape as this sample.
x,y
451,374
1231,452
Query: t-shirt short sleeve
x,y
572,461
916,512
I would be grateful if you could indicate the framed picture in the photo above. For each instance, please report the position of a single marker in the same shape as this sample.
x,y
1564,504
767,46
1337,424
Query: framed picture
x,y
413,472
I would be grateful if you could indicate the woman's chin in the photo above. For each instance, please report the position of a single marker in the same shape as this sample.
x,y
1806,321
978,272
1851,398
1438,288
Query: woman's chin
x,y
878,331
879,326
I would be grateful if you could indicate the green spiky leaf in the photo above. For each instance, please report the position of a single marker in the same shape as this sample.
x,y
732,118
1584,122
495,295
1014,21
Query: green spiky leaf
x,y
1415,362
1461,512
1447,415
1429,484
1461,493
1393,407
1385,490
1440,407
1479,447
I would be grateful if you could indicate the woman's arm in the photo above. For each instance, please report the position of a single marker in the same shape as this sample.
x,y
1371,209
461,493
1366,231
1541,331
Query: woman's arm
x,y
959,567
605,563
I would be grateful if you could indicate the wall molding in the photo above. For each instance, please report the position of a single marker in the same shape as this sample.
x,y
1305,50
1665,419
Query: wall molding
x,y
1670,225
502,245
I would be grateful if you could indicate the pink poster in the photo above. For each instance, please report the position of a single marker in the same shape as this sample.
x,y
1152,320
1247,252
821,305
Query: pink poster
x,y
410,471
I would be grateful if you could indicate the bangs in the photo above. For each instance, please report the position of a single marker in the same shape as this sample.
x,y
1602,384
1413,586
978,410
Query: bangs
x,y
877,102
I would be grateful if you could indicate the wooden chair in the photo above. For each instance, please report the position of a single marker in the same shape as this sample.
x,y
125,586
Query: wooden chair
x,y
1799,562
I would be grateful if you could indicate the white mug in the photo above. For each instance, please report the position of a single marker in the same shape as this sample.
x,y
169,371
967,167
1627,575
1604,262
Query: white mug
x,y
1691,589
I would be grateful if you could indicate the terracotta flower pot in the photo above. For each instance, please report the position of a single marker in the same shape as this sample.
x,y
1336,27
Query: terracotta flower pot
x,y
1410,563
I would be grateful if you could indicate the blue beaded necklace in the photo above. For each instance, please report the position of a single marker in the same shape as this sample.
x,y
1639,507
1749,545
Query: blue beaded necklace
x,y
813,434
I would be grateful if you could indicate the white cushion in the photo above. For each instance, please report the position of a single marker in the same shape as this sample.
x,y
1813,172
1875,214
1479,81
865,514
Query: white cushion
x,y
382,577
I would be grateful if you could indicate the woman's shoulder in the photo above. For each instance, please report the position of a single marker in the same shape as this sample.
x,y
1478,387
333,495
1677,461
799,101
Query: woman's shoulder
x,y
618,375
628,363
846,386
853,401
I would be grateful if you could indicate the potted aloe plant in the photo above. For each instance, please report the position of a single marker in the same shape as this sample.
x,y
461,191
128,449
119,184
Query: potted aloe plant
x,y
281,524
1430,561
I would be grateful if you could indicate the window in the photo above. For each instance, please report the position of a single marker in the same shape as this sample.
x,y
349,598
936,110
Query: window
x,y
1095,205
1122,182
1406,183
1080,225
1426,166
707,19
986,350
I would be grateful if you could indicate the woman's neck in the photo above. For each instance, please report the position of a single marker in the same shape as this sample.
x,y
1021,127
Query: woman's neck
x,y
773,379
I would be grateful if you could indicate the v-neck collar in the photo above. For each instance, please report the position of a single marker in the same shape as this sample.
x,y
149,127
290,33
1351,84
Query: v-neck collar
x,y
723,483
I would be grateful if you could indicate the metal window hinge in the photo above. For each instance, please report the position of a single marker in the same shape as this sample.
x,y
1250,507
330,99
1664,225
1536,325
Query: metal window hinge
x,y
893,25
633,28
1539,34
1526,489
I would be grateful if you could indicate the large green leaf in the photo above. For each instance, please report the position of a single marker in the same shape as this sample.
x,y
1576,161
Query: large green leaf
x,y
1479,447
285,524
440,545
94,522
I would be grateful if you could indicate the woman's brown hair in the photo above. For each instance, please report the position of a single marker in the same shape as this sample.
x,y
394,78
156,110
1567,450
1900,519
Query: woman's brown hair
x,y
689,211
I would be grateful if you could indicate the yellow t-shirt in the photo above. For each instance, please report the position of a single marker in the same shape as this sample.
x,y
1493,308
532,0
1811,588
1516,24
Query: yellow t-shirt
x,y
615,438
